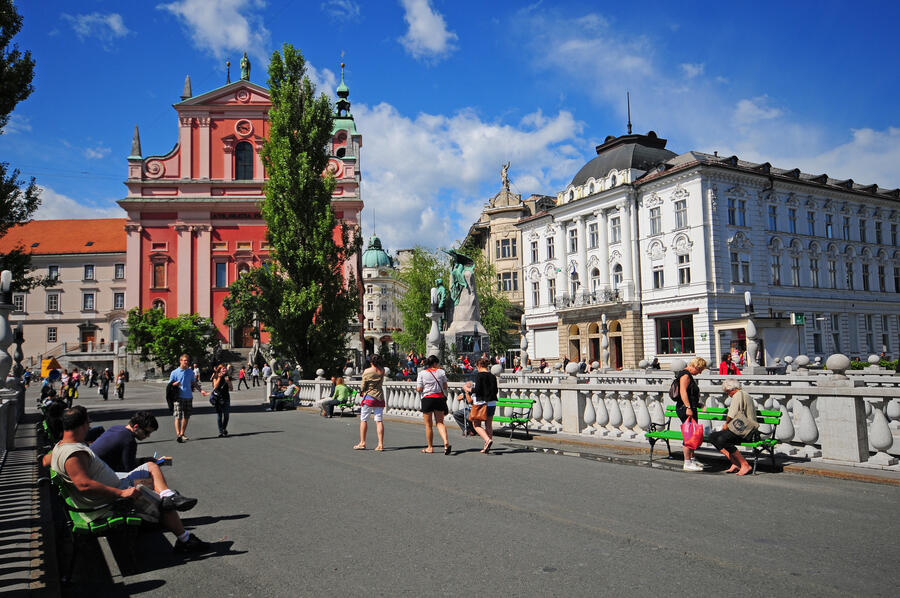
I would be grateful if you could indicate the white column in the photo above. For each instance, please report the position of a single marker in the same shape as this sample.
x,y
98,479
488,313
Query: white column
x,y
636,248
133,265
259,170
183,268
204,265
627,253
184,140
582,254
203,170
603,241
561,286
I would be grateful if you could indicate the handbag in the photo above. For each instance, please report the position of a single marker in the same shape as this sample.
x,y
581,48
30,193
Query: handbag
x,y
740,424
692,433
478,413
214,399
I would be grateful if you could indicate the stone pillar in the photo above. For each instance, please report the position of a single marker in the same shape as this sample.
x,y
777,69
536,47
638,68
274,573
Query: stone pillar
x,y
184,141
203,167
259,170
572,401
627,253
842,419
603,243
204,266
183,268
582,254
133,265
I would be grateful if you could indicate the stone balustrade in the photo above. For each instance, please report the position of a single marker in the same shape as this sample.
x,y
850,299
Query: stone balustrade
x,y
823,416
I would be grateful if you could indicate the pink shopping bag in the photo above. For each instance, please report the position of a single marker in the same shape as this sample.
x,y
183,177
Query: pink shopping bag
x,y
692,432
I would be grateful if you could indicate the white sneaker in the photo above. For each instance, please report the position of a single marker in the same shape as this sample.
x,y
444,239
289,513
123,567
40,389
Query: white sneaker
x,y
698,463
691,466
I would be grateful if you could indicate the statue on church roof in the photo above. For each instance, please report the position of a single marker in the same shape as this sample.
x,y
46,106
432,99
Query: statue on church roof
x,y
504,176
245,68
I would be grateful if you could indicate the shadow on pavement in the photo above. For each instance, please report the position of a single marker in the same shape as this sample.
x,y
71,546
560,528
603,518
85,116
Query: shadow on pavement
x,y
207,519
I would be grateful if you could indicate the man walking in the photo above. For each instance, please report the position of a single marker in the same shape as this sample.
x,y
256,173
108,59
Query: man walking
x,y
183,378
242,378
255,374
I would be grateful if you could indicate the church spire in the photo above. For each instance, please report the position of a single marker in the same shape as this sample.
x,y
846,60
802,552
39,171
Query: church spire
x,y
135,144
186,94
343,92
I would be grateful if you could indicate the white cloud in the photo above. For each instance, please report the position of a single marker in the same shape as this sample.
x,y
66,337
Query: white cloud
x,y
16,124
96,153
426,178
103,27
427,37
869,157
221,26
749,112
58,206
344,10
691,70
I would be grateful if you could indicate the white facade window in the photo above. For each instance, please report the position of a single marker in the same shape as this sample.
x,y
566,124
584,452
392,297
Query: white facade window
x,y
18,301
829,226
51,334
732,211
742,212
870,333
885,334
836,332
814,272
775,267
595,279
551,248
740,268
681,214
773,218
89,272
795,271
118,300
119,271
573,240
615,230
811,223
53,272
658,277
505,248
878,236
832,274
534,252
617,276
655,221
593,235
370,306
684,269
894,235
536,293
551,291
882,284
52,301
849,271
792,220
846,228
87,301
862,230
368,289
865,276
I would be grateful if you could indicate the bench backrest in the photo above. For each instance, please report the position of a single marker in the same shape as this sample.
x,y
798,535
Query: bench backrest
x,y
763,416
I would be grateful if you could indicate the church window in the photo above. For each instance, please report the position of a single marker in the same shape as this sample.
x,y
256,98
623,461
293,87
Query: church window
x,y
159,276
243,161
159,304
221,275
341,152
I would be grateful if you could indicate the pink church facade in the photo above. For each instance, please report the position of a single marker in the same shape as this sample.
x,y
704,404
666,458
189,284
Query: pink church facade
x,y
194,220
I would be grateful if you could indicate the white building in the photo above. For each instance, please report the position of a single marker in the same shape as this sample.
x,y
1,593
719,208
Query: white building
x,y
679,239
381,290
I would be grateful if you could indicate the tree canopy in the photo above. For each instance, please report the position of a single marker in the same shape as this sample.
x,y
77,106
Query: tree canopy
x,y
153,335
301,297
19,199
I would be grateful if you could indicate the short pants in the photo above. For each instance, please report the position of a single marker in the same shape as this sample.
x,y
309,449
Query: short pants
x,y
432,404
376,412
127,479
183,408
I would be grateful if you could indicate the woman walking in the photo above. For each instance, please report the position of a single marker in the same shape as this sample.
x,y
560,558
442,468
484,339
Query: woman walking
x,y
221,398
120,385
484,393
372,403
688,403
432,383
104,383
242,379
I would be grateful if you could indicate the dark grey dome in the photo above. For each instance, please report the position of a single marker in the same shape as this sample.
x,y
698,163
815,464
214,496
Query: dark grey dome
x,y
642,152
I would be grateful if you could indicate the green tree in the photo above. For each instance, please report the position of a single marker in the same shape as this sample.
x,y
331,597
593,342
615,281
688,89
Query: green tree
x,y
423,269
18,198
301,298
154,336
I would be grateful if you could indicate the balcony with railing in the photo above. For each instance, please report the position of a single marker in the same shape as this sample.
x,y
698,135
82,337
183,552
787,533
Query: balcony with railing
x,y
589,298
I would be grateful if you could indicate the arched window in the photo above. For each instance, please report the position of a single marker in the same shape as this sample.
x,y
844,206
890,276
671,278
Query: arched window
x,y
617,276
243,161
159,304
595,279
242,269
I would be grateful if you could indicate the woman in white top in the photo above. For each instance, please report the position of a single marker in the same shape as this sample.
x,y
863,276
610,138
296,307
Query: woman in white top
x,y
432,383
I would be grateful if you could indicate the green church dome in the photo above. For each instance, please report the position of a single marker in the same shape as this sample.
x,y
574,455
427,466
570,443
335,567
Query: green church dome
x,y
374,256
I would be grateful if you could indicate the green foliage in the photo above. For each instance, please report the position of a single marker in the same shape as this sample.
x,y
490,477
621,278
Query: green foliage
x,y
419,275
301,299
154,336
16,204
884,363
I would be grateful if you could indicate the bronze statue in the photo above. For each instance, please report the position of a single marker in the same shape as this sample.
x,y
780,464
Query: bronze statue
x,y
245,68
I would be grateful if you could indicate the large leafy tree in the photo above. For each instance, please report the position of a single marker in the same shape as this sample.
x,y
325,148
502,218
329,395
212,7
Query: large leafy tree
x,y
154,336
18,198
301,298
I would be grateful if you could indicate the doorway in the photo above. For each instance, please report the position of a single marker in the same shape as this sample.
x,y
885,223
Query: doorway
x,y
88,335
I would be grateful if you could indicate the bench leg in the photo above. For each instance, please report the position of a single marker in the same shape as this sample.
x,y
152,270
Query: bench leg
x,y
652,442
755,459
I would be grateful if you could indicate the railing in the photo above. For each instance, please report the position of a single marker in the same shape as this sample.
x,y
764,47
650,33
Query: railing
x,y
821,417
597,297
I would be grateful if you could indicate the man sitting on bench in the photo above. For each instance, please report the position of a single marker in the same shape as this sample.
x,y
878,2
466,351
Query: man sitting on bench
x,y
285,393
117,446
92,484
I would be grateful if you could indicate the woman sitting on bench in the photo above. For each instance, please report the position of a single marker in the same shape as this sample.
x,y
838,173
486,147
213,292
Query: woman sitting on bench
x,y
340,395
740,423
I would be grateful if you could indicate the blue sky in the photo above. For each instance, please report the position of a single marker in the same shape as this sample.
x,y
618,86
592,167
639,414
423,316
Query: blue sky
x,y
445,92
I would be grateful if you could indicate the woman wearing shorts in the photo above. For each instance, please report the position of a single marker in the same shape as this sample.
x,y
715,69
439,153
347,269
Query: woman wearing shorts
x,y
432,383
372,403
484,392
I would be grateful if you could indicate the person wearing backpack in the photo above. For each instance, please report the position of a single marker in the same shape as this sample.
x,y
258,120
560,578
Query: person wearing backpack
x,y
687,403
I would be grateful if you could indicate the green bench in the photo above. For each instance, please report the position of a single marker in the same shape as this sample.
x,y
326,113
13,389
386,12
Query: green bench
x,y
758,442
115,518
280,403
519,417
350,403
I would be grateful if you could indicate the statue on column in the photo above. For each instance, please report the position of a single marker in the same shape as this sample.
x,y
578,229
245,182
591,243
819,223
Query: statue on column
x,y
465,324
504,176
245,68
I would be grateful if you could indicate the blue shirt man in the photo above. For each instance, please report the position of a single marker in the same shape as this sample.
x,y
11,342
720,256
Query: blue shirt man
x,y
183,378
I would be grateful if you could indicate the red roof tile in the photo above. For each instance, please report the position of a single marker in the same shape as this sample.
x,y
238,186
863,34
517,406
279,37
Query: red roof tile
x,y
48,237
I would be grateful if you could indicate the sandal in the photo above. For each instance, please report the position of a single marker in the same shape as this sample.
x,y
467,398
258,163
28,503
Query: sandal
x,y
447,449
379,449
425,450
487,447
359,447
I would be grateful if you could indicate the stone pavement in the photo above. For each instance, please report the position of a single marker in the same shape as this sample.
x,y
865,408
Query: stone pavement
x,y
292,510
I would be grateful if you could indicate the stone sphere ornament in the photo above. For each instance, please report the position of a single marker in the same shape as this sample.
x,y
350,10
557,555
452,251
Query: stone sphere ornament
x,y
838,363
801,361
496,369
874,359
572,368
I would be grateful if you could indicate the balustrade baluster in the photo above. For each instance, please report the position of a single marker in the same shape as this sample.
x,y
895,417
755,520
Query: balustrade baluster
x,y
602,413
590,415
893,413
547,409
555,402
880,437
643,413
615,414
628,418
537,410
784,433
807,431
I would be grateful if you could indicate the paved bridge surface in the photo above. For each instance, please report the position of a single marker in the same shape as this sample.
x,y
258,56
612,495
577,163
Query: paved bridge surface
x,y
292,510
